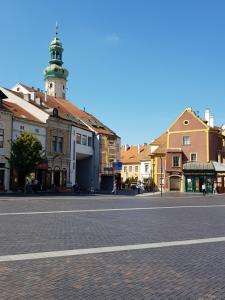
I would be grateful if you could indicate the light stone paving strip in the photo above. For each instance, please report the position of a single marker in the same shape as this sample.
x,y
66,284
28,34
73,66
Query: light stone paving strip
x,y
110,210
75,252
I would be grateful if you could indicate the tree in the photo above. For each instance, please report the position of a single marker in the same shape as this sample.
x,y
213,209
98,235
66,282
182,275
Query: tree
x,y
26,154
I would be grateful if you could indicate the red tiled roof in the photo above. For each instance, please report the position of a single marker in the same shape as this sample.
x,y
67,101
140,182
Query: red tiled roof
x,y
131,155
18,111
66,107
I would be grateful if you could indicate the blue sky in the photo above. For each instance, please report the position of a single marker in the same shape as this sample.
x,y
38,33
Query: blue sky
x,y
135,64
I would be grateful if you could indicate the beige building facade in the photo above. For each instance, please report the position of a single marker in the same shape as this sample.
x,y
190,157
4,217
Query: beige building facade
x,y
5,145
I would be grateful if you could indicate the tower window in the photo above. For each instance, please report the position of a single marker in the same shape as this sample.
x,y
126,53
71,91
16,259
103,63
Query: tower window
x,y
63,87
50,85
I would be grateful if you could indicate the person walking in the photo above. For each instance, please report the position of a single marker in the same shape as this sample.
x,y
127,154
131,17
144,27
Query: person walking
x,y
203,189
114,188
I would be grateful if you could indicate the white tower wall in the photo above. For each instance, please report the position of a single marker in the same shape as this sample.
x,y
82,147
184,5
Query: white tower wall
x,y
56,87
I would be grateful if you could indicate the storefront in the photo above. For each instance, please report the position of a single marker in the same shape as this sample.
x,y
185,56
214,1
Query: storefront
x,y
220,177
197,174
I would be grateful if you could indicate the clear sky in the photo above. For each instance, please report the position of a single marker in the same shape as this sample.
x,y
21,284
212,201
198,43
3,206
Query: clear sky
x,y
135,64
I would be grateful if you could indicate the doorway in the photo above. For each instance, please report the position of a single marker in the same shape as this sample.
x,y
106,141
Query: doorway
x,y
175,183
57,178
2,180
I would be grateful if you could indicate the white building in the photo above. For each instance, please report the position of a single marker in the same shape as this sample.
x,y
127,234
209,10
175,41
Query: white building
x,y
81,159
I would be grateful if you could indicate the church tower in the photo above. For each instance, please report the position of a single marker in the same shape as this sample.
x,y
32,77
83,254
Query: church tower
x,y
55,75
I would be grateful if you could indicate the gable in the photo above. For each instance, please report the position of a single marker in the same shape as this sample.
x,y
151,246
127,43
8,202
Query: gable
x,y
188,121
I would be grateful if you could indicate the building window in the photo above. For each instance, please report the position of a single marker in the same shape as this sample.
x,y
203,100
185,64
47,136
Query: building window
x,y
50,85
125,169
136,169
1,138
186,122
84,140
54,143
21,127
193,157
90,141
78,138
60,144
186,140
176,161
36,130
146,168
130,169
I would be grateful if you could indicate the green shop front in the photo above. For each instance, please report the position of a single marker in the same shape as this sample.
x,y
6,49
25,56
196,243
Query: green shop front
x,y
197,174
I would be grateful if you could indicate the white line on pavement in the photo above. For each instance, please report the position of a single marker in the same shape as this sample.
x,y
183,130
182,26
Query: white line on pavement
x,y
75,252
109,210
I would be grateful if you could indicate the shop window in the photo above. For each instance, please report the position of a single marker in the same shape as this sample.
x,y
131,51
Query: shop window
x,y
176,161
193,157
78,138
186,140
1,138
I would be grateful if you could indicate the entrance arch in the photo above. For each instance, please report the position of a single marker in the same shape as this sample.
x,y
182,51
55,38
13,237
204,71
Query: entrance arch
x,y
175,183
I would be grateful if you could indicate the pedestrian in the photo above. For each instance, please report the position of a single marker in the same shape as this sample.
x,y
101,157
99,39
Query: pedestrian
x,y
138,187
203,189
142,188
114,188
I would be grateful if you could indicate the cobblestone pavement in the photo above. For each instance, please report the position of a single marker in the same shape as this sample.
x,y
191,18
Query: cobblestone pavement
x,y
178,272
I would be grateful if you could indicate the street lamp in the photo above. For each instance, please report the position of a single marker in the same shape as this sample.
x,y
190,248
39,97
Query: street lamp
x,y
161,176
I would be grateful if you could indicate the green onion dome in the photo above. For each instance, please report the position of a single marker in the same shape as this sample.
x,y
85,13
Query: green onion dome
x,y
54,70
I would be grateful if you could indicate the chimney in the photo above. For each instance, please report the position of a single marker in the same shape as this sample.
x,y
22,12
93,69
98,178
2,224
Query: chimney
x,y
211,121
138,148
126,147
26,97
207,115
38,101
33,96
45,96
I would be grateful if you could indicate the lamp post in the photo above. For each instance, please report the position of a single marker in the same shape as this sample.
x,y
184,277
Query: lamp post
x,y
161,176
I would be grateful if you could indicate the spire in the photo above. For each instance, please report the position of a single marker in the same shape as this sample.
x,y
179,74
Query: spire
x,y
56,28
55,74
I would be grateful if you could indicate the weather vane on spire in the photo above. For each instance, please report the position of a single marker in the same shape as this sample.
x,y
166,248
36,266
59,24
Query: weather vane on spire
x,y
56,28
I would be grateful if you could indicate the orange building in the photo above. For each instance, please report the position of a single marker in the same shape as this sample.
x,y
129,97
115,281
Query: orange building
x,y
183,156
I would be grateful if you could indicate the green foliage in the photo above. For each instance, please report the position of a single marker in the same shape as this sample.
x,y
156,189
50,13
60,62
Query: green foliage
x,y
131,180
26,153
